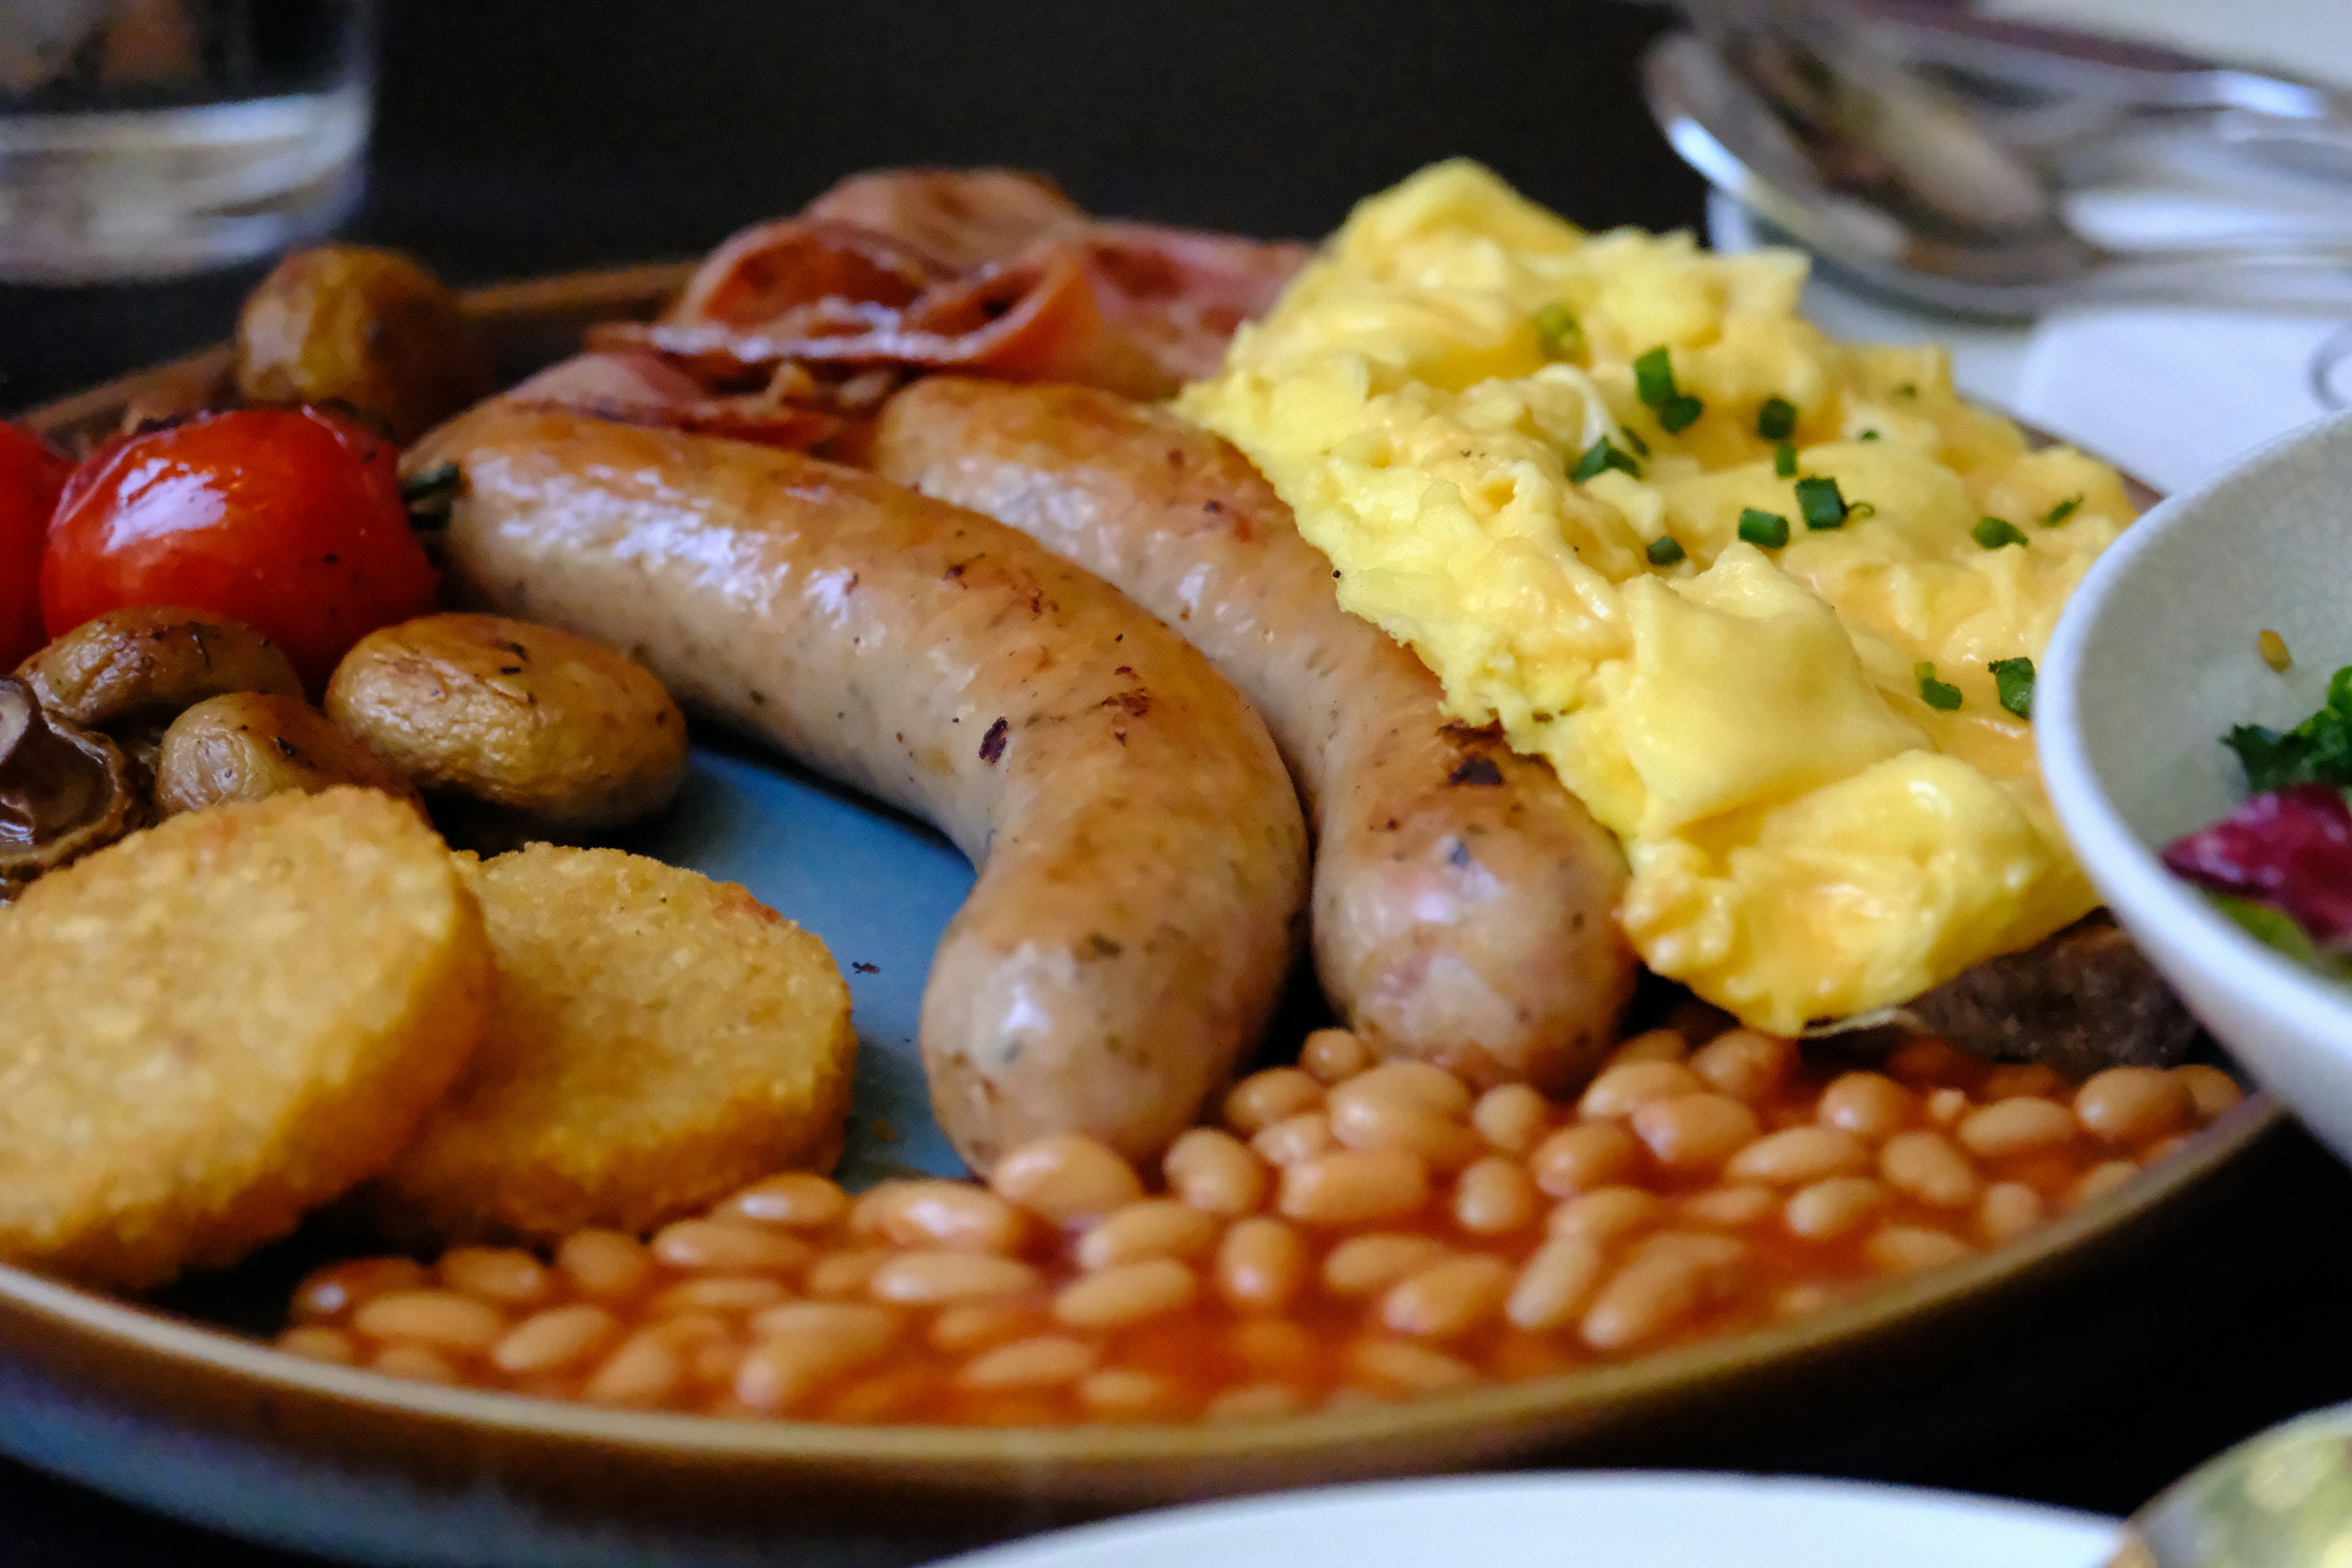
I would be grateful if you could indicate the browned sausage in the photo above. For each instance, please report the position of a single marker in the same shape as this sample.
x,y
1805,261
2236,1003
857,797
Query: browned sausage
x,y
1464,901
1142,860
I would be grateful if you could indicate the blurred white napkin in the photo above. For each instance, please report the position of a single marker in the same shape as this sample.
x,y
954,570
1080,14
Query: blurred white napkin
x,y
2169,393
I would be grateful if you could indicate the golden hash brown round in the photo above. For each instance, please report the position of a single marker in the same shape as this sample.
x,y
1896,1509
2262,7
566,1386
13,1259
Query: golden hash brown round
x,y
659,1041
218,1023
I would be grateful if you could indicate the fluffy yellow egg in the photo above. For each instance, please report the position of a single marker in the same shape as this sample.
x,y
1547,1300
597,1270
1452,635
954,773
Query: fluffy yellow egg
x,y
1552,462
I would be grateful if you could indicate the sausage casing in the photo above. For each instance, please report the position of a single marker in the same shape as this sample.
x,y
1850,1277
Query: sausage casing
x,y
1464,901
1141,854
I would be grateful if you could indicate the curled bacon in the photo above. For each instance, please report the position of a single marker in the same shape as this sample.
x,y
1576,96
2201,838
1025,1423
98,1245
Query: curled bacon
x,y
961,218
640,388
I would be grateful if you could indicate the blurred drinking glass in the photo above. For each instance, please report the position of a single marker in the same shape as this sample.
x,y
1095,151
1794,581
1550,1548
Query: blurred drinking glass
x,y
150,137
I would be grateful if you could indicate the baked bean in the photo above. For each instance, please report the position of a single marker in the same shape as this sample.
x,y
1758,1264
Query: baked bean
x,y
438,1320
1330,1056
2024,1125
555,1339
736,1293
1713,1255
1925,1165
1619,1090
605,1265
505,1276
1746,1064
1260,1265
1263,1098
894,1395
1580,1158
1362,1265
1947,1106
2211,1090
977,1325
1927,1059
2010,1209
1156,1227
1122,1393
714,1246
1642,1302
1256,1401
844,1273
1800,1300
2133,1105
1046,1362
644,1372
953,1215
1495,1197
1067,1179
414,1363
1796,1156
1829,1208
1448,1299
1216,1172
316,1342
785,1369
1273,1348
1355,1186
797,1200
1128,1293
1555,1283
1373,1123
1914,1249
1869,1105
1732,1207
1606,1214
936,1279
2104,1178
1694,1132
1402,1367
1417,1085
2163,1149
1512,1117
1294,1138
841,1324
1650,1046
333,1292
2009,1080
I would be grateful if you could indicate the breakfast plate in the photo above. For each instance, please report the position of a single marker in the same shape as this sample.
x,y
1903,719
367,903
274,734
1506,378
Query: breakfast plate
x,y
170,1405
1626,1520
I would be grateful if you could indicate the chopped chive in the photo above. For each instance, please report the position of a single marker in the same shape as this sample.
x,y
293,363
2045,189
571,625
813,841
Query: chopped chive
x,y
2061,512
1907,390
1784,459
1776,420
428,485
1935,693
1859,510
1818,500
1633,439
1562,334
1765,529
1665,550
1653,381
1869,435
1600,456
1992,532
2013,679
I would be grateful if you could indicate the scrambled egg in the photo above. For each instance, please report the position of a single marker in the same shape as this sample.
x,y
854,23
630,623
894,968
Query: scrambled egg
x,y
1777,694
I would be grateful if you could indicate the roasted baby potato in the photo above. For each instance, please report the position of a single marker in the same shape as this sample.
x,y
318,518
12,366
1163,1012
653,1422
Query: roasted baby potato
x,y
539,733
251,745
220,1024
130,672
659,1040
366,327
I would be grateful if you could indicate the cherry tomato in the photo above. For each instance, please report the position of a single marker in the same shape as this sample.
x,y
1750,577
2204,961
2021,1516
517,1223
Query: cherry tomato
x,y
288,518
32,472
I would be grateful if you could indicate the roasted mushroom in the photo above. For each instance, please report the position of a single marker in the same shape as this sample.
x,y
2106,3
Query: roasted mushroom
x,y
514,731
369,328
64,791
248,745
130,672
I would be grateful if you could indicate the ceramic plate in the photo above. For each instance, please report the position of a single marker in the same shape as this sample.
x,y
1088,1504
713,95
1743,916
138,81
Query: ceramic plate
x,y
165,1405
1591,1521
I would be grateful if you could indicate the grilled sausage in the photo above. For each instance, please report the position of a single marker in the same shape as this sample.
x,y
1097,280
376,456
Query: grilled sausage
x,y
1464,901
1142,860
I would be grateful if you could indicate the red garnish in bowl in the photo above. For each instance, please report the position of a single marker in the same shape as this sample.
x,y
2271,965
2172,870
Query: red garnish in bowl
x,y
2290,848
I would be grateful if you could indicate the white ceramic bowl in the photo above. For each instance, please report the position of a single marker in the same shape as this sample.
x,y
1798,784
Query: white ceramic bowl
x,y
2153,661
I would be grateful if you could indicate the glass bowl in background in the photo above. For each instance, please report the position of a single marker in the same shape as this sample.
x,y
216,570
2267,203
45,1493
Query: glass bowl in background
x,y
145,139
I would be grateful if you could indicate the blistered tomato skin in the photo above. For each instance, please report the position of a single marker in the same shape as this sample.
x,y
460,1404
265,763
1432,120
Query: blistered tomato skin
x,y
288,519
32,472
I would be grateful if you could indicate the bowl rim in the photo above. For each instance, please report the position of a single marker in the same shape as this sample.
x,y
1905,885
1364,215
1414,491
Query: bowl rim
x,y
2127,871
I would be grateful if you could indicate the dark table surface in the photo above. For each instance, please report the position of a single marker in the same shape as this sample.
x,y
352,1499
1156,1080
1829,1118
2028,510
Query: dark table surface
x,y
516,138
